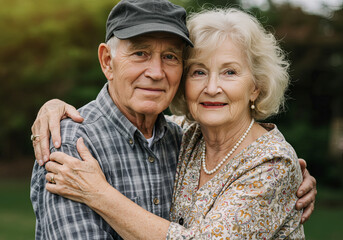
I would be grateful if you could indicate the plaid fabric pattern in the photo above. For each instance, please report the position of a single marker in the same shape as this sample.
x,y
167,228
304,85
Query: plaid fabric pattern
x,y
141,173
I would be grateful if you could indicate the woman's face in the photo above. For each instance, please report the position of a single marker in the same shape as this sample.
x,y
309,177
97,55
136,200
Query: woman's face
x,y
219,86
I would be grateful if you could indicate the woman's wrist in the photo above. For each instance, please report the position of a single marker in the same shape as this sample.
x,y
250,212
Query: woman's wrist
x,y
98,199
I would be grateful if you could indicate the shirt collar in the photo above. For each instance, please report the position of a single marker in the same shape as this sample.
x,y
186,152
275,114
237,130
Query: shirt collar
x,y
121,123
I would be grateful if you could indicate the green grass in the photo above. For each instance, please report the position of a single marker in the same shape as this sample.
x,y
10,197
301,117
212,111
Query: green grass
x,y
325,223
17,220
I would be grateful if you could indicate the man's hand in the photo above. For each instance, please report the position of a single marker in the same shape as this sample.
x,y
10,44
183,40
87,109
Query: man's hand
x,y
306,193
48,120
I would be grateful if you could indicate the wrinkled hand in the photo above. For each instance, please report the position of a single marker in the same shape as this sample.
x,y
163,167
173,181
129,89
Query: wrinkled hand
x,y
48,120
307,193
81,181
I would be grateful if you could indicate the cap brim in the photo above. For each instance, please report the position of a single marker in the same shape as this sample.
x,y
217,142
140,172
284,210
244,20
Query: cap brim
x,y
149,28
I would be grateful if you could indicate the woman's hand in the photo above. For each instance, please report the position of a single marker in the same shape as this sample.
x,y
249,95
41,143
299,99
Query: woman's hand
x,y
306,193
48,120
81,181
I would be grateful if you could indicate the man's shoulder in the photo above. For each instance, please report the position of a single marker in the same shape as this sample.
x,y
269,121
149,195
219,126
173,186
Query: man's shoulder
x,y
71,130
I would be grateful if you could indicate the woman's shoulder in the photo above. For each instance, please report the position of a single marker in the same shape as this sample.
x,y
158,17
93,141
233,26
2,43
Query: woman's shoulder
x,y
191,140
192,134
273,143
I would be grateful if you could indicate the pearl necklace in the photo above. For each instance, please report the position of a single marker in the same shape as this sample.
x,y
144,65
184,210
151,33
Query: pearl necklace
x,y
203,154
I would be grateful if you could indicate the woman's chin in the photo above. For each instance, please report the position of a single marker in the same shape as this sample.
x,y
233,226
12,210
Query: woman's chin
x,y
214,122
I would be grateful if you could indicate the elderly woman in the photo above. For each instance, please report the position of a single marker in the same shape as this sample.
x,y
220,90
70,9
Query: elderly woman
x,y
236,178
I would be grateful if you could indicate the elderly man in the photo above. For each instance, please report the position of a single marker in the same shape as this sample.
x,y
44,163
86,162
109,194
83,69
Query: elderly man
x,y
124,128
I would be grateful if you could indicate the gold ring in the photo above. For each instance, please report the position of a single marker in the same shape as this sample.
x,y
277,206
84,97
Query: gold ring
x,y
34,137
52,179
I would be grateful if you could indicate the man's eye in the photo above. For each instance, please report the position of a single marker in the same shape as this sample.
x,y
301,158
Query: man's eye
x,y
139,54
170,57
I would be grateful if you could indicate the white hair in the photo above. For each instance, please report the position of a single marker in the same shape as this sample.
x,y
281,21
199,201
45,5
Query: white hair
x,y
113,44
265,58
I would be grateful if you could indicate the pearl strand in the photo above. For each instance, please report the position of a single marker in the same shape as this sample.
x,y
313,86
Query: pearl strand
x,y
203,154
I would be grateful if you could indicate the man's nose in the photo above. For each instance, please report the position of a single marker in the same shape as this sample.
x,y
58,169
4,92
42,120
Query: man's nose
x,y
155,69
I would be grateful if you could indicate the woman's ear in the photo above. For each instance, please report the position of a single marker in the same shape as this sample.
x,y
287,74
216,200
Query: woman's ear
x,y
255,93
105,59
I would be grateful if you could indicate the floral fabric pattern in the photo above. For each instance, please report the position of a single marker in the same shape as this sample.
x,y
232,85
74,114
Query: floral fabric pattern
x,y
252,197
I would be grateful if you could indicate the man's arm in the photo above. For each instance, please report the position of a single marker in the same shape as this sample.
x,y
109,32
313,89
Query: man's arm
x,y
306,193
61,218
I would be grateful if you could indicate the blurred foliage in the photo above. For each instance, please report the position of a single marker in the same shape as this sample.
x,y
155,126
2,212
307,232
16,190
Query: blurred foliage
x,y
48,49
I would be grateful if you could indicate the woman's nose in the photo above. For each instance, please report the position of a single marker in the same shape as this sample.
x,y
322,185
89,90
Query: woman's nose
x,y
213,87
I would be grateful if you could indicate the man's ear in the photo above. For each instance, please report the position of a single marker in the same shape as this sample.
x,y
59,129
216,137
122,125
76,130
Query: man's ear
x,y
105,59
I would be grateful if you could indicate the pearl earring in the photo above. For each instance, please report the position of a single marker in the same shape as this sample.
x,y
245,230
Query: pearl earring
x,y
252,106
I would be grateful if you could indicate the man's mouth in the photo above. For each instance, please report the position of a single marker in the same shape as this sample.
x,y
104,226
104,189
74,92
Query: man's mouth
x,y
152,89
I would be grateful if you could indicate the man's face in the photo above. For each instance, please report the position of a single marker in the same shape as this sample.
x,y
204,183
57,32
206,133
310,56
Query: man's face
x,y
146,73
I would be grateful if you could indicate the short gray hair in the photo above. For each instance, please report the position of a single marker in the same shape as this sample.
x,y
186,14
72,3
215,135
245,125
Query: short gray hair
x,y
113,44
265,58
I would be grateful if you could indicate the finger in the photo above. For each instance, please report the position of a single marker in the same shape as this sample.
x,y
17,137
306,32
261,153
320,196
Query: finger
x,y
55,129
307,213
308,184
83,150
44,144
303,165
41,128
38,153
51,178
71,112
53,188
35,129
306,200
53,167
62,158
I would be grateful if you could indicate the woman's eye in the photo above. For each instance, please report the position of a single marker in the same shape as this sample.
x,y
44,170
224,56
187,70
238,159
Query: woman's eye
x,y
198,73
230,72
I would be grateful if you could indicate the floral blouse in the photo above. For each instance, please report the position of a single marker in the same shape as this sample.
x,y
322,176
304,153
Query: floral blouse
x,y
252,197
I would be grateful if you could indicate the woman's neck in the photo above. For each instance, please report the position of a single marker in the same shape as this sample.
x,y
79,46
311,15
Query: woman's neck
x,y
222,139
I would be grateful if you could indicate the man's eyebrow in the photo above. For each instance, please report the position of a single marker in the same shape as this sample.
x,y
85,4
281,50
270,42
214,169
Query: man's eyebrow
x,y
174,50
138,45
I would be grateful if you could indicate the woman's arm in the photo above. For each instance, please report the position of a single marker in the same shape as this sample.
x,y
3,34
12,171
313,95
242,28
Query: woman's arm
x,y
128,219
83,181
264,196
48,121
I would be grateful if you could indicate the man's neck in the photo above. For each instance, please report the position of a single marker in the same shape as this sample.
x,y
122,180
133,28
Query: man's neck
x,y
144,123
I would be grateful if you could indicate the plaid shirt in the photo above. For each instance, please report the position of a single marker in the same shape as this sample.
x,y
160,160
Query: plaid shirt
x,y
144,175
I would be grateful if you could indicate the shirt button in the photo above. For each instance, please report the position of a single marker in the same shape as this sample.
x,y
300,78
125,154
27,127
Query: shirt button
x,y
151,159
181,221
156,201
130,141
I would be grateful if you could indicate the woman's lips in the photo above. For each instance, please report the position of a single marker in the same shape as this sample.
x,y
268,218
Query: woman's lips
x,y
213,104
